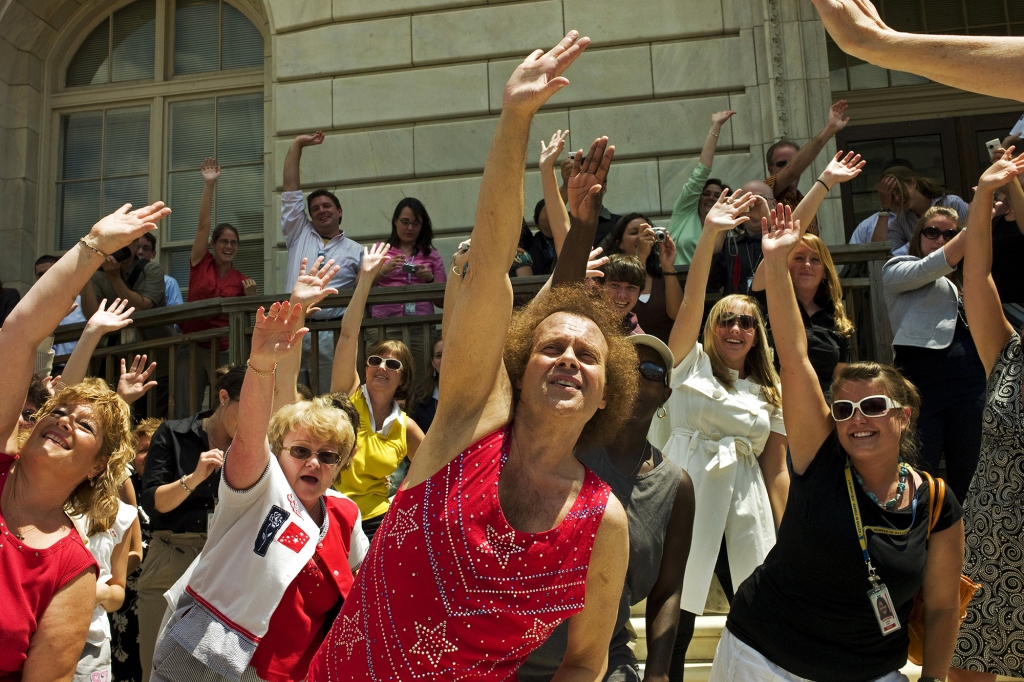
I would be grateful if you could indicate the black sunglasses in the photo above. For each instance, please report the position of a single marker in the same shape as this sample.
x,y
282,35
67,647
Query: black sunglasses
x,y
389,363
302,452
727,320
654,372
932,232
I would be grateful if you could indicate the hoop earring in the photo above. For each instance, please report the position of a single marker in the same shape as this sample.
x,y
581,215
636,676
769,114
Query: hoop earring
x,y
662,412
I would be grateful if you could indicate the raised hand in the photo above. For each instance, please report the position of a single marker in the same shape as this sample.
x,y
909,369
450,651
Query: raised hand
x,y
779,234
461,256
124,226
51,384
540,75
836,112
851,23
310,139
728,212
249,286
595,261
274,336
720,117
549,152
134,383
374,258
106,320
210,170
311,288
842,168
1002,171
588,178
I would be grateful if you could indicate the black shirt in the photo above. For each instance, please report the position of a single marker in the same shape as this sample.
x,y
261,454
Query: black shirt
x,y
174,452
732,270
806,607
1008,260
542,250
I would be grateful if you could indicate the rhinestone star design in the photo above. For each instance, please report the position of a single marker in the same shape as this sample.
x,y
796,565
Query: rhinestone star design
x,y
501,545
539,631
350,634
404,524
432,642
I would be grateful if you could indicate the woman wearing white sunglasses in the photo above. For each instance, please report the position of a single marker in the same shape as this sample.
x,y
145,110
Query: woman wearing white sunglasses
x,y
833,599
386,434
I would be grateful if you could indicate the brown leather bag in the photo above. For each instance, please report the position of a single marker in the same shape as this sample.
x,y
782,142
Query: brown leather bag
x,y
967,586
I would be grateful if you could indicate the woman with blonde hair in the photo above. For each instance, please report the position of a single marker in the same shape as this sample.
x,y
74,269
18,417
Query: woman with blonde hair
x,y
933,345
726,425
73,461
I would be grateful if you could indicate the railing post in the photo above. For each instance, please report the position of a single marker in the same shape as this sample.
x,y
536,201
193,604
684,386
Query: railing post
x,y
881,332
236,337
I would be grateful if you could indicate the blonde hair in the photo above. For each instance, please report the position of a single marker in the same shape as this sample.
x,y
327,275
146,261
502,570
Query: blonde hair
x,y
758,363
830,285
914,245
894,385
328,418
97,499
147,427
403,355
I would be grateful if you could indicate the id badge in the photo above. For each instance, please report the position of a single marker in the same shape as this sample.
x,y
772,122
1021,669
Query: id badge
x,y
410,308
885,612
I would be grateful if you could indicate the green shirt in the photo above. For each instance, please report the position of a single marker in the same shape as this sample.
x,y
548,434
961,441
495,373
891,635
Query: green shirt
x,y
685,225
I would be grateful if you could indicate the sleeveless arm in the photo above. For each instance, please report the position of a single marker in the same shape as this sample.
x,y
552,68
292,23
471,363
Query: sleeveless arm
x,y
941,593
58,641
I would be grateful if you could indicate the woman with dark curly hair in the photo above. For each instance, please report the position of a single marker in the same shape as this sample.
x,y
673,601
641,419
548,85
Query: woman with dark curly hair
x,y
499,533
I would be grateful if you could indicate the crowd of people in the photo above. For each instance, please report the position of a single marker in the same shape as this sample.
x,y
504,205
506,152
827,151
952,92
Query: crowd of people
x,y
499,513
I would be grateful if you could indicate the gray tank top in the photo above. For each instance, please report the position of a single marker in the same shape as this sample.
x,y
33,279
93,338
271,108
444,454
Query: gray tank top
x,y
648,500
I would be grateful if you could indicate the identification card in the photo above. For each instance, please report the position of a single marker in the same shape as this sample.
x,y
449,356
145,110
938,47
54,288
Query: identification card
x,y
881,603
410,308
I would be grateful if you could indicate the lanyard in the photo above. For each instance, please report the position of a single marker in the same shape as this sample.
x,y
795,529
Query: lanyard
x,y
862,529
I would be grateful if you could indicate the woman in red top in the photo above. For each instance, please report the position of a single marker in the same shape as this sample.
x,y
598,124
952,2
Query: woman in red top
x,y
75,457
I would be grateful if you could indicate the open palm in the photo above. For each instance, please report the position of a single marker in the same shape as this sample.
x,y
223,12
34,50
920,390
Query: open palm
x,y
273,337
843,168
779,234
311,288
540,75
134,383
587,178
728,211
124,226
1000,172
374,258
549,152
106,320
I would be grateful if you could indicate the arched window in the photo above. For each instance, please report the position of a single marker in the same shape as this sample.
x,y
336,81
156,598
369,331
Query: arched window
x,y
135,119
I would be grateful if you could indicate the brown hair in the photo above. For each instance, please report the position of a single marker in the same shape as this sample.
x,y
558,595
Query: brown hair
x,y
623,268
403,355
829,287
905,178
914,245
622,377
37,393
758,363
147,427
898,388
221,229
327,418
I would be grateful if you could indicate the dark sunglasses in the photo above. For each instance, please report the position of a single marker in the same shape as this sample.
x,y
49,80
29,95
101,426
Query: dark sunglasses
x,y
389,363
727,320
302,452
932,232
872,406
27,415
654,372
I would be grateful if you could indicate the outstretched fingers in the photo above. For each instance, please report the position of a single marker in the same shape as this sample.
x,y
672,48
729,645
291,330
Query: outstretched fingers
x,y
568,49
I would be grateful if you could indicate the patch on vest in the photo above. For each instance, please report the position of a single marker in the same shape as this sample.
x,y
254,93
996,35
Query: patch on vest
x,y
294,538
275,519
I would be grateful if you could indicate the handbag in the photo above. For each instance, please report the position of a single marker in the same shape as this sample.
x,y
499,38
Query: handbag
x,y
968,587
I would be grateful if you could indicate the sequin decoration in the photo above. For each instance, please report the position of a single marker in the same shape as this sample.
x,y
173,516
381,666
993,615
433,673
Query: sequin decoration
x,y
350,634
501,545
294,538
405,523
432,643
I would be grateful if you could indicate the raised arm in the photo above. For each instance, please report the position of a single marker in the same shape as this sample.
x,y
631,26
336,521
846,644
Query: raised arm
x,y
454,284
726,214
45,304
210,171
673,290
290,183
585,185
989,327
273,338
707,152
558,216
803,158
103,321
134,382
840,169
1015,194
982,64
345,373
807,416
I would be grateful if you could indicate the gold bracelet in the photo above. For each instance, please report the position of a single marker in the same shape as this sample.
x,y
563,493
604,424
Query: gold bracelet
x,y
265,375
93,248
712,132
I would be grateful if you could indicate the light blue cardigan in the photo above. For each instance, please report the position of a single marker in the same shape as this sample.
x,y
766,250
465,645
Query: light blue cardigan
x,y
922,302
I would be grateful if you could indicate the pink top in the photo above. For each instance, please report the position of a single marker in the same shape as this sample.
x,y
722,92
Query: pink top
x,y
450,591
397,278
29,578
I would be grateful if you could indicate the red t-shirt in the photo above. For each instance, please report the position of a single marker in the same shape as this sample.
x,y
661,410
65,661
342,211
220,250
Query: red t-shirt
x,y
204,281
309,604
29,578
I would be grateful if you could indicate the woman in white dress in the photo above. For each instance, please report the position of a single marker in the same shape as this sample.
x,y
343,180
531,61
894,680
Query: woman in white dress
x,y
726,426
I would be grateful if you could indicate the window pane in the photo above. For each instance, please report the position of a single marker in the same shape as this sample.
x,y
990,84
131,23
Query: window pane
x,y
249,261
903,78
243,44
78,207
196,45
944,15
876,153
184,189
80,145
134,35
191,133
89,66
176,264
240,199
864,76
904,15
120,191
986,12
126,151
1016,10
240,129
925,152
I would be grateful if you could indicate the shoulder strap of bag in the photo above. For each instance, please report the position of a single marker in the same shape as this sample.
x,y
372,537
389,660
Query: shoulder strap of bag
x,y
136,272
938,494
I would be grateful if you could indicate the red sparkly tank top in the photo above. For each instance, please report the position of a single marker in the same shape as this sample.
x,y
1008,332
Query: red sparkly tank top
x,y
450,590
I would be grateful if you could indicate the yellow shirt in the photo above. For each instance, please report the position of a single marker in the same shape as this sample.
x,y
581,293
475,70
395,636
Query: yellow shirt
x,y
377,456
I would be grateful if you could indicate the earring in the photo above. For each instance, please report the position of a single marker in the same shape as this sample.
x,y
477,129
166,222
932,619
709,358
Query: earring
x,y
662,412
92,482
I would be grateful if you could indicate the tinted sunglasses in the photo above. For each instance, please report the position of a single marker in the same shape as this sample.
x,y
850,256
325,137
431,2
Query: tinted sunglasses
x,y
727,320
389,363
932,232
301,452
654,372
872,406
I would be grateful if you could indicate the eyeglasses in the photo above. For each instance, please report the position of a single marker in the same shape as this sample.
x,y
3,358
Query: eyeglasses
x,y
302,452
653,372
932,232
746,322
27,415
389,363
410,223
872,406
227,242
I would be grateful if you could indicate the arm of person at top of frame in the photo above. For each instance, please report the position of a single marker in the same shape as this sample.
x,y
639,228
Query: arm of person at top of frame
x,y
103,321
476,396
807,153
558,216
807,416
200,245
345,373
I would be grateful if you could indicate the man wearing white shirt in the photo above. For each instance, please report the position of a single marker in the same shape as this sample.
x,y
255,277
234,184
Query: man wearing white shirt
x,y
311,236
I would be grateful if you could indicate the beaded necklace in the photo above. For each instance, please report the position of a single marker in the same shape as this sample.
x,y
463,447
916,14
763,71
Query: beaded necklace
x,y
901,487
